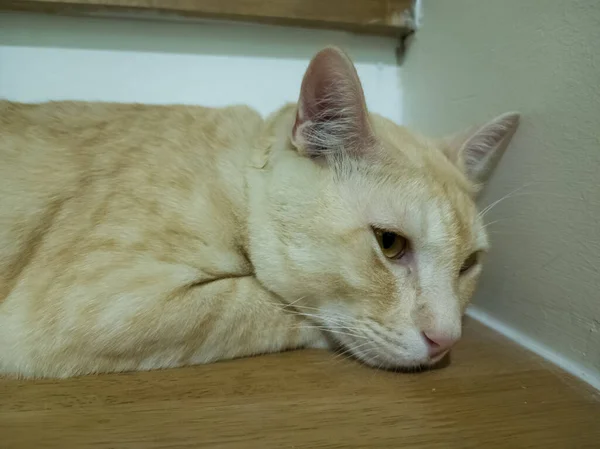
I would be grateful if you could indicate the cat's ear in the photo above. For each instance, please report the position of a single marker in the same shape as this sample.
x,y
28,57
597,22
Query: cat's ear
x,y
478,151
332,116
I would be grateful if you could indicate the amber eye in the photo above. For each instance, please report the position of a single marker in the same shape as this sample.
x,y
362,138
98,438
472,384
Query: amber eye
x,y
469,263
393,246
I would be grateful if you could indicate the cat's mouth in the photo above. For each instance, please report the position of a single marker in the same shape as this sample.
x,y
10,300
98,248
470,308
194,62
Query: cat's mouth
x,y
396,347
382,355
438,362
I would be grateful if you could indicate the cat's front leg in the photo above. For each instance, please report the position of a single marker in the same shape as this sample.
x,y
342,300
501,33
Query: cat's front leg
x,y
163,324
245,319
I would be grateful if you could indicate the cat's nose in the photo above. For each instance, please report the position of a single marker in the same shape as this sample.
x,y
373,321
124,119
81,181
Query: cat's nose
x,y
439,342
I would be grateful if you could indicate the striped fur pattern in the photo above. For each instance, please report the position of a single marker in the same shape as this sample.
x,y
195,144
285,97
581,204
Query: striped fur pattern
x,y
138,237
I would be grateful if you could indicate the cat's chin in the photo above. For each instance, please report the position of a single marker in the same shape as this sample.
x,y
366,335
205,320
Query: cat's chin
x,y
385,362
406,366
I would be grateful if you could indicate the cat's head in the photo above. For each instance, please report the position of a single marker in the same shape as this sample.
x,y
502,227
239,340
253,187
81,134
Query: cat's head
x,y
368,230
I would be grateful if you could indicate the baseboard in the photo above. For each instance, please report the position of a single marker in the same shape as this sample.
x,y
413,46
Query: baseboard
x,y
540,349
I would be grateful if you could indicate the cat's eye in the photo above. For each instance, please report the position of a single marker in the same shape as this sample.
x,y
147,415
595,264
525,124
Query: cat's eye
x,y
393,246
469,263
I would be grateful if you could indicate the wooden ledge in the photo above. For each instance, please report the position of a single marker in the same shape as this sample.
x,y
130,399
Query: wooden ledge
x,y
493,394
375,17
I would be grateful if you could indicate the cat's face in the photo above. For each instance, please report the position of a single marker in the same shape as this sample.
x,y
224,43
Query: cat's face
x,y
375,235
409,248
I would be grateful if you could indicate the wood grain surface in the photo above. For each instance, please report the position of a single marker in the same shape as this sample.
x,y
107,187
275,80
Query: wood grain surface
x,y
492,394
379,17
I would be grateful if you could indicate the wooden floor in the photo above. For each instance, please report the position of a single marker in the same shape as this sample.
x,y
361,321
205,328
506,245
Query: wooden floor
x,y
492,395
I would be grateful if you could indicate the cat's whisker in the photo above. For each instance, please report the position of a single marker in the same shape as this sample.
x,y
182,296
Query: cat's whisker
x,y
302,307
491,206
347,333
351,347
512,232
293,302
327,329
347,352
340,319
376,371
339,358
362,348
318,318
350,352
371,358
292,309
508,195
340,323
317,309
344,323
358,327
515,193
496,221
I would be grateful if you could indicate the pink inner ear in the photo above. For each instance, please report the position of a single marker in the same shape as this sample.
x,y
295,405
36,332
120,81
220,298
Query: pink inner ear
x,y
332,114
477,152
315,88
483,150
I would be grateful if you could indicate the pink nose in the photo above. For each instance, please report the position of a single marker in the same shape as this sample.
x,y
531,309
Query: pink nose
x,y
439,342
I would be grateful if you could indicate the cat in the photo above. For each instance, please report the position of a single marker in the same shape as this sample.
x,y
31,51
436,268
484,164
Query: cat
x,y
138,237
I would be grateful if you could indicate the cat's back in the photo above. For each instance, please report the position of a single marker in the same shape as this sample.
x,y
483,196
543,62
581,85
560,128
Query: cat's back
x,y
53,146
75,132
82,177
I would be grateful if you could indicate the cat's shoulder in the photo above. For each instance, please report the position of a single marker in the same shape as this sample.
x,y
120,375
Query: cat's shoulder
x,y
238,119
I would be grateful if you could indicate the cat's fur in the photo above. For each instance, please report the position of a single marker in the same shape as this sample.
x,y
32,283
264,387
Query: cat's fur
x,y
137,237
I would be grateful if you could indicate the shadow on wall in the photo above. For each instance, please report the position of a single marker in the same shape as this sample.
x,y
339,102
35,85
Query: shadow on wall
x,y
187,37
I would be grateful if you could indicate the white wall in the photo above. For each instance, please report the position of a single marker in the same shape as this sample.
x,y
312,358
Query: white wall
x,y
212,64
473,59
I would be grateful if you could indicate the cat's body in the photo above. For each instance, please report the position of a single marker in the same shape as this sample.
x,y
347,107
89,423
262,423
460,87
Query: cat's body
x,y
139,237
124,239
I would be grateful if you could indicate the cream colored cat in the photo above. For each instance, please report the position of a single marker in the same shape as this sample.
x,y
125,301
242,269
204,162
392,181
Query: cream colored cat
x,y
139,237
